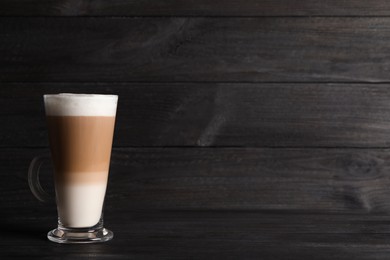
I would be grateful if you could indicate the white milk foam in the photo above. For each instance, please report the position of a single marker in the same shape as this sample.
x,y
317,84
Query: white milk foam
x,y
66,104
80,205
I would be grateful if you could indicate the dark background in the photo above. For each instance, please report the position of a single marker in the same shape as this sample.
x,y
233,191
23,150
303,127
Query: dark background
x,y
245,129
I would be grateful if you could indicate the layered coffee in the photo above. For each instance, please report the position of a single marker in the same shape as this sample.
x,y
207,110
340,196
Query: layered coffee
x,y
81,130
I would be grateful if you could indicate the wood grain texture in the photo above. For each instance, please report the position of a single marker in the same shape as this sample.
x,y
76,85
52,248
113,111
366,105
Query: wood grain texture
x,y
218,203
194,8
342,181
184,114
195,49
205,235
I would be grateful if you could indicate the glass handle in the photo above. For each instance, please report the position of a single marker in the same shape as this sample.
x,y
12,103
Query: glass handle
x,y
33,179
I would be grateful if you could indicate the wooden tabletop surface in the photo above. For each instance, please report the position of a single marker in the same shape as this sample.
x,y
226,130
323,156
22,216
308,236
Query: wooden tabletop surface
x,y
246,129
182,203
205,235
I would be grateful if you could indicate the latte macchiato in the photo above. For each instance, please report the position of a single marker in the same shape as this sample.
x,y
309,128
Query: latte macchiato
x,y
81,130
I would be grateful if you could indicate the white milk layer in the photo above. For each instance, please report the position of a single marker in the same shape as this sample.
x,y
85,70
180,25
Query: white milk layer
x,y
66,104
80,205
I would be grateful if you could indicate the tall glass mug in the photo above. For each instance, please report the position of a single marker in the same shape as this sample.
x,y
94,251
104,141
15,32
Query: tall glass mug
x,y
81,129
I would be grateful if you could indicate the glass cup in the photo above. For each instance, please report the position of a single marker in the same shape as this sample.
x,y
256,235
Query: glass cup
x,y
81,128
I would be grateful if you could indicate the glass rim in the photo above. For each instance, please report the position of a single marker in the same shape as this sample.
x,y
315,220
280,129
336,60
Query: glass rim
x,y
80,96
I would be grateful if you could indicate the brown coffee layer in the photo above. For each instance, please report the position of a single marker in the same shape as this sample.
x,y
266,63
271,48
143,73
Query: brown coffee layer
x,y
81,147
73,178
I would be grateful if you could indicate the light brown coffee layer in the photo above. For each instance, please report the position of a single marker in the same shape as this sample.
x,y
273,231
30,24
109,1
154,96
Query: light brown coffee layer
x,y
81,147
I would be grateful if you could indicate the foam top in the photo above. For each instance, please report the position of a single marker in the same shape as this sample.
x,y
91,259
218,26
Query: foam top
x,y
66,104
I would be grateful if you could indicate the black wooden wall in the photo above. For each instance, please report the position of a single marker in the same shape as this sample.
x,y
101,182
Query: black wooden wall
x,y
224,105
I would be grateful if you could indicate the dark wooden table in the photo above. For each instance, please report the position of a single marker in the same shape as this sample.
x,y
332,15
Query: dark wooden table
x,y
246,129
184,203
208,235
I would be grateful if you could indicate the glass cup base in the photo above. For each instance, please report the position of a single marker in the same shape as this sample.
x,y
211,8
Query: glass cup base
x,y
79,235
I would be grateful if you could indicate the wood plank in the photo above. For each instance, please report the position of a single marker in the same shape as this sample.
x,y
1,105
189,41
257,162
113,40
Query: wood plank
x,y
250,115
342,181
195,8
346,49
204,235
